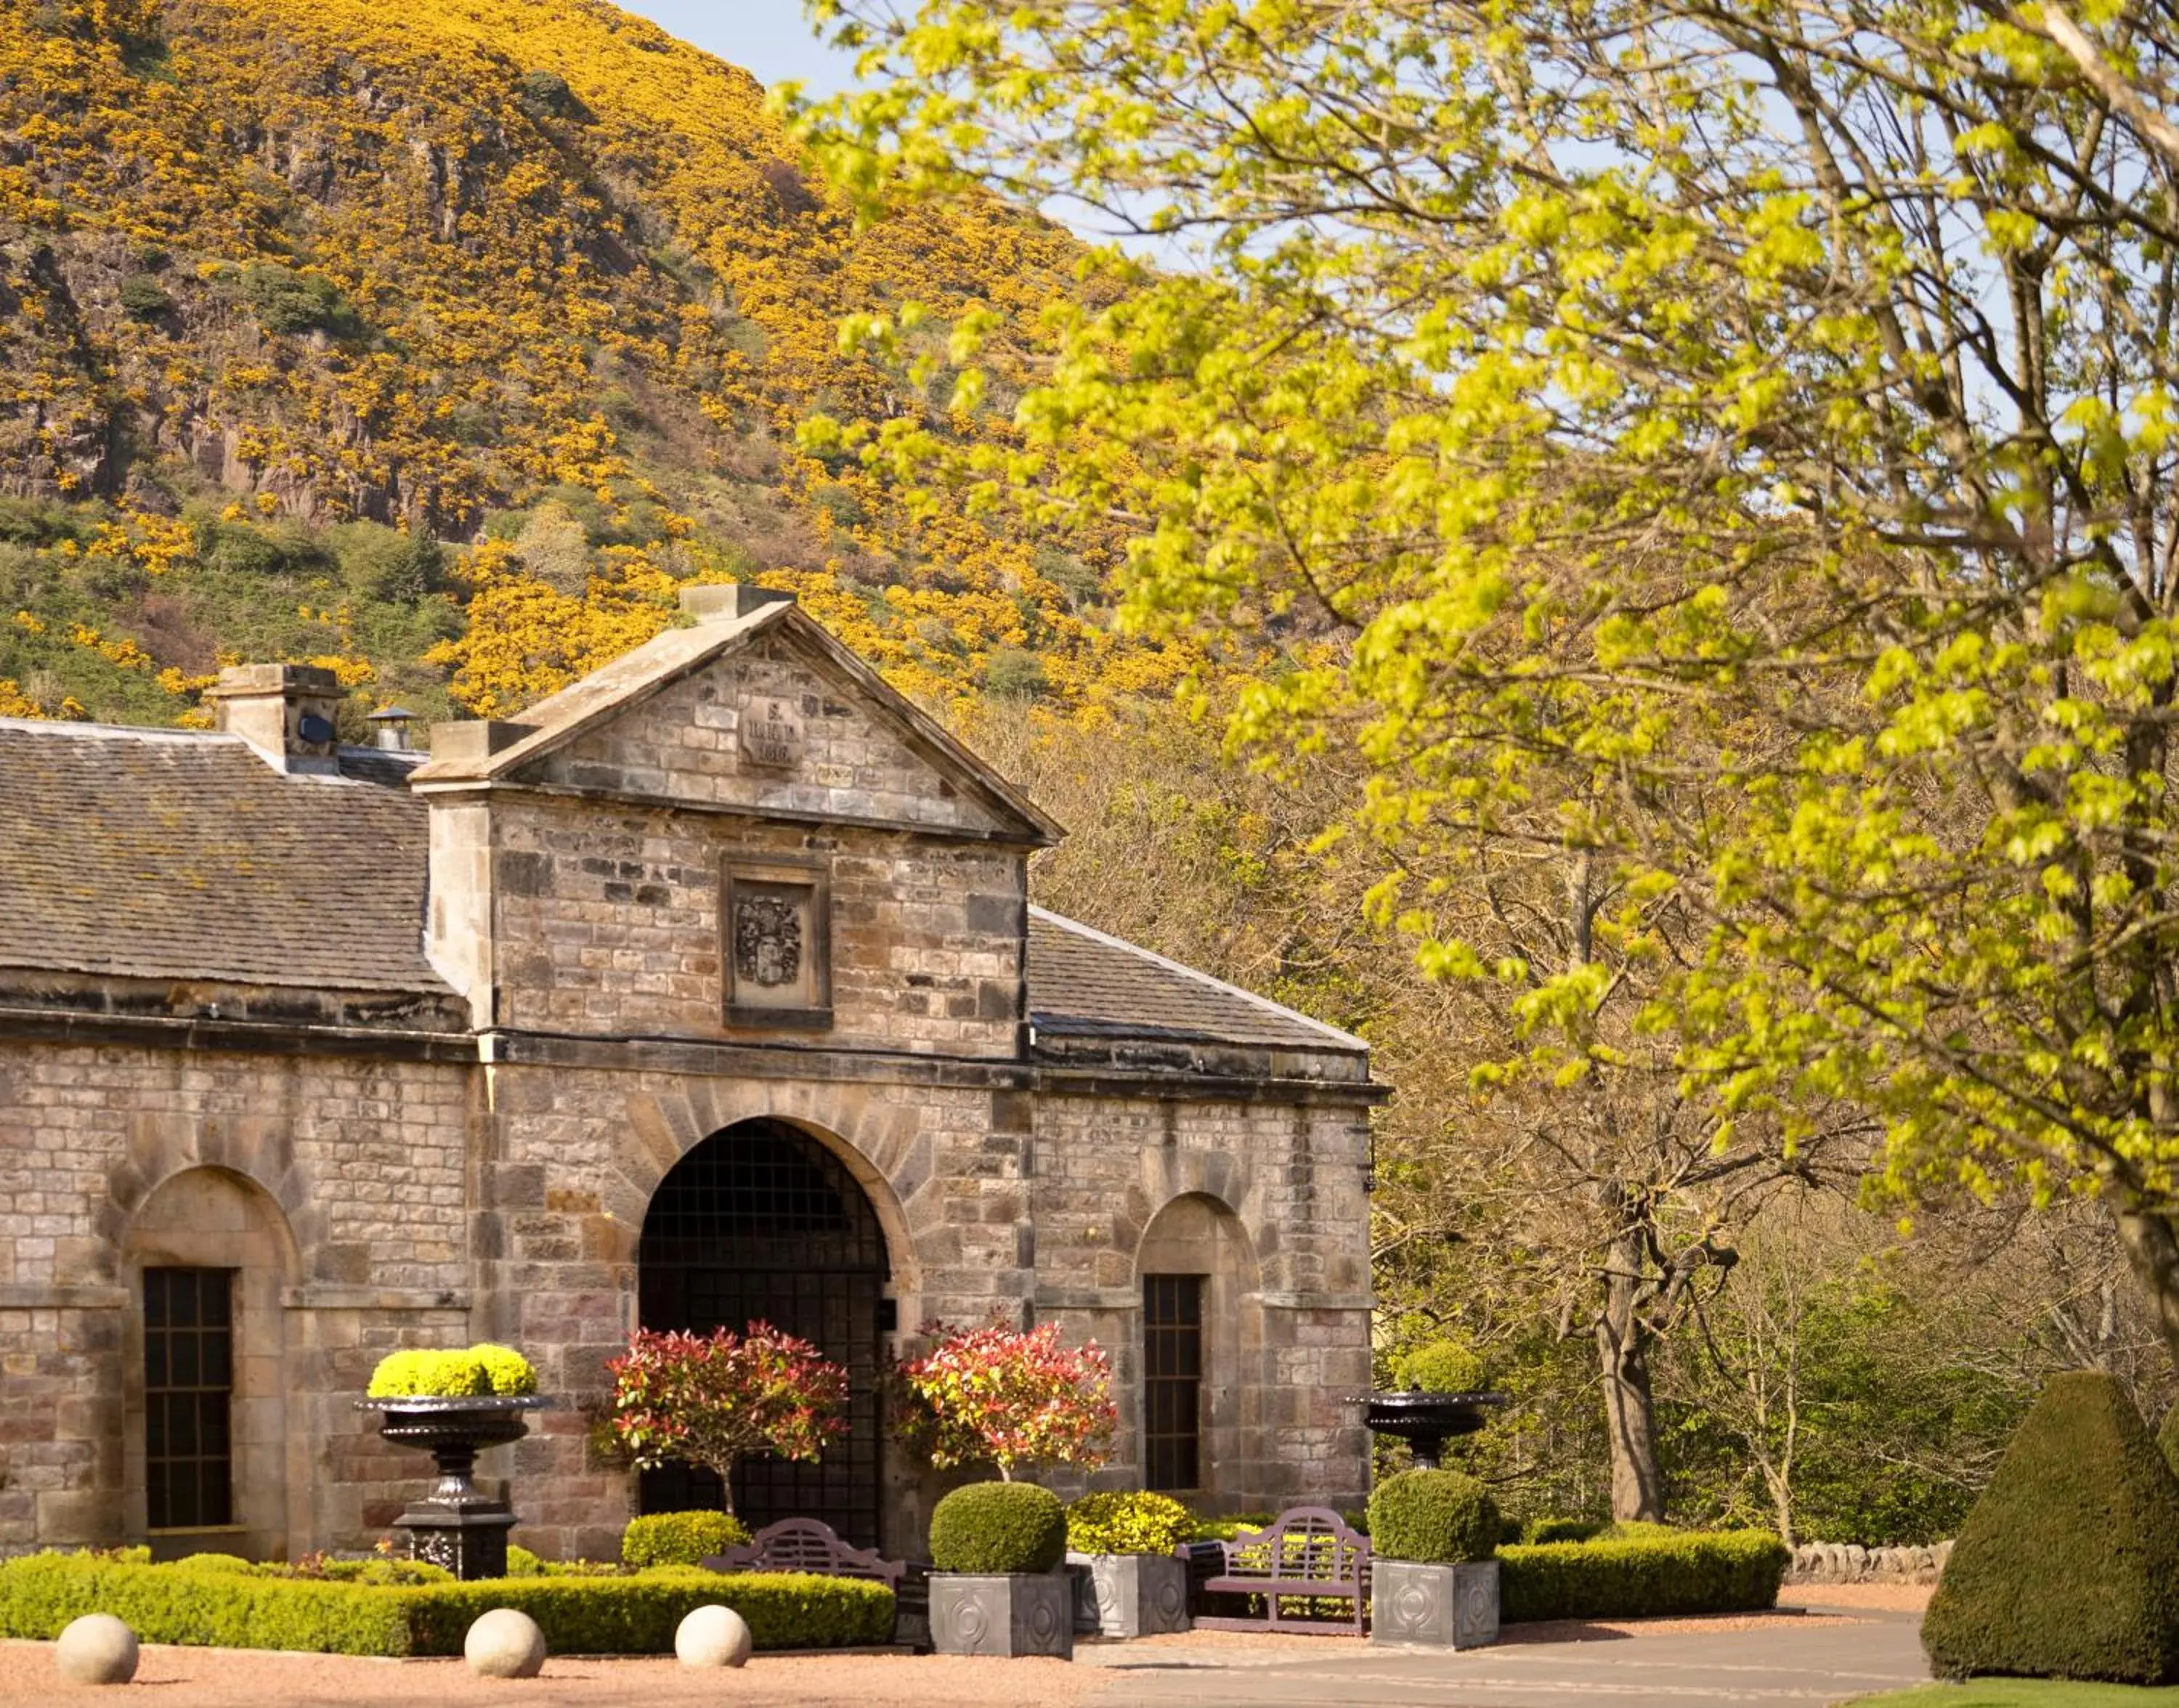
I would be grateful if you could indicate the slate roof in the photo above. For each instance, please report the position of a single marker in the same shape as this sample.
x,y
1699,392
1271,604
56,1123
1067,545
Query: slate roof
x,y
1083,984
171,854
180,855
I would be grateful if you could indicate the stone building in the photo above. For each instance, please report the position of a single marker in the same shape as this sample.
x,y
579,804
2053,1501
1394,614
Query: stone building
x,y
709,990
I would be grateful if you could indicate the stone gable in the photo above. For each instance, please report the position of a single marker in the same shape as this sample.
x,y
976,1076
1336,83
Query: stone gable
x,y
766,730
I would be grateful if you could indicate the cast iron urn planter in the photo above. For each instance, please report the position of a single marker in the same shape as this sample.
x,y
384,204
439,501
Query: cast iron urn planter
x,y
1010,1613
457,1525
1447,1607
1426,1421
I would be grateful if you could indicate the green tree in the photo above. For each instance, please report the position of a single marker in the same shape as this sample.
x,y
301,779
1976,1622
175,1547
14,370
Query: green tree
x,y
1727,444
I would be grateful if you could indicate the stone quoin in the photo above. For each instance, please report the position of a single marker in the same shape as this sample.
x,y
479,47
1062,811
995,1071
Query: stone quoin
x,y
707,989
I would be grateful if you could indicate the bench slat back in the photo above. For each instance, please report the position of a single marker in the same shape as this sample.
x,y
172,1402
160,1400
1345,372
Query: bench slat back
x,y
1303,1544
810,1545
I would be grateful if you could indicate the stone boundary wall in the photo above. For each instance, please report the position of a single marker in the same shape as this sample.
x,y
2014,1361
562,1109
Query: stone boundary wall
x,y
1849,1563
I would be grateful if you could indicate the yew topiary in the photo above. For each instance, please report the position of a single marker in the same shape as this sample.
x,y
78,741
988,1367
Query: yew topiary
x,y
1438,1517
2068,1566
996,1528
1440,1366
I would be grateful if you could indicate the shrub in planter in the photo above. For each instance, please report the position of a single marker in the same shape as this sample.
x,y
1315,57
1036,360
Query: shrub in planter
x,y
1440,1366
996,1528
1432,1578
1437,1516
680,1539
1139,1523
1685,1572
1132,1585
996,1591
2068,1566
473,1374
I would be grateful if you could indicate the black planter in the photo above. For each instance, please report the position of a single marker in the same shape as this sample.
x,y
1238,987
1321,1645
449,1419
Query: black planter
x,y
1426,1421
457,1525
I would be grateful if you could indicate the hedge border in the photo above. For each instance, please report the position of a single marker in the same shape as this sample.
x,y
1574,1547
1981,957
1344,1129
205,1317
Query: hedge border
x,y
1695,1572
636,1615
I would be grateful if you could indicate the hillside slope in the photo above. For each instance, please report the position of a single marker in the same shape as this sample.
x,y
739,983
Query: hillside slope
x,y
438,340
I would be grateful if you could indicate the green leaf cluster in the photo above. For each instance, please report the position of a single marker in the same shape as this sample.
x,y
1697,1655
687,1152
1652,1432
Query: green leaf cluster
x,y
997,1528
482,1370
1675,1574
1438,1517
680,1539
1129,1522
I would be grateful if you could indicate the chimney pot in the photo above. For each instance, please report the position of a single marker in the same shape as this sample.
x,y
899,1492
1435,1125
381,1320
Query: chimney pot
x,y
392,723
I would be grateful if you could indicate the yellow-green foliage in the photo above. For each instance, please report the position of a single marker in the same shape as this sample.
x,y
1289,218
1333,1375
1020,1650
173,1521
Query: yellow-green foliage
x,y
510,265
1120,1522
1679,1572
1441,1366
478,1371
680,1539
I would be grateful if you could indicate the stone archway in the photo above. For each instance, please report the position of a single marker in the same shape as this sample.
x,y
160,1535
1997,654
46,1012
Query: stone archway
x,y
1199,1407
761,1221
206,1368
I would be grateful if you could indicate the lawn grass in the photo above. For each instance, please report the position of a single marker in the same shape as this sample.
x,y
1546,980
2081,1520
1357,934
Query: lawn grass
x,y
2025,1692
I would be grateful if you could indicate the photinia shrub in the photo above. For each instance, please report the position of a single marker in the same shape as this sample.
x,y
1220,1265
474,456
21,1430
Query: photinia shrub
x,y
1007,1397
708,1399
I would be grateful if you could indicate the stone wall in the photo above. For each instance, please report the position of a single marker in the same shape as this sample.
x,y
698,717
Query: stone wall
x,y
608,922
1850,1562
337,1187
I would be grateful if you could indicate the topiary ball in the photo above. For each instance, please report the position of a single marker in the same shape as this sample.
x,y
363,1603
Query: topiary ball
x,y
994,1529
1442,1366
1437,1516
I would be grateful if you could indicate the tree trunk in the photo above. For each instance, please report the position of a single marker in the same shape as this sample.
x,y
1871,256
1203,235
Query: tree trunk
x,y
1622,1348
2152,1249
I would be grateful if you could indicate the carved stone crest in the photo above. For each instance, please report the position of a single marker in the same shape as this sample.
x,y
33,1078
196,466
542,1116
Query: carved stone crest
x,y
771,731
767,941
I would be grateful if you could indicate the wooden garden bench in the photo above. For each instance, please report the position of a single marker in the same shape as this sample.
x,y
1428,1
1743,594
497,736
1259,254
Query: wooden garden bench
x,y
1306,1556
809,1545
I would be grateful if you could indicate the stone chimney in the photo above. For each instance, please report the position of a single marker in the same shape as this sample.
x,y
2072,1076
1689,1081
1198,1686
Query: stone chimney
x,y
722,601
284,711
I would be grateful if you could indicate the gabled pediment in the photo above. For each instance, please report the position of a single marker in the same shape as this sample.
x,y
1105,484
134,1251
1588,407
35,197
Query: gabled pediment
x,y
754,708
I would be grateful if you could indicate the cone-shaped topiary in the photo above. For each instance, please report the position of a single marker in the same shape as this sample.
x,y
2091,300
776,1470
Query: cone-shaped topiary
x,y
1438,1517
2068,1566
998,1527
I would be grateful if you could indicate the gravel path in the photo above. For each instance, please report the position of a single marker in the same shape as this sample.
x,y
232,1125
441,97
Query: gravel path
x,y
1892,1598
183,1677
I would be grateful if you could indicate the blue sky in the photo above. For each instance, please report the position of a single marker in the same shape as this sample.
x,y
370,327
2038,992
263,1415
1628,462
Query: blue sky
x,y
769,38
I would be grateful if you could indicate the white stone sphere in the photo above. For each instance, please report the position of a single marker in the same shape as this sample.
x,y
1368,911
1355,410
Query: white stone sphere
x,y
504,1644
713,1636
97,1649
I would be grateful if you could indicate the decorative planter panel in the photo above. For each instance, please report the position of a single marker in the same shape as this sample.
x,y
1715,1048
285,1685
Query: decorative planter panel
x,y
1446,1607
1132,1595
1020,1613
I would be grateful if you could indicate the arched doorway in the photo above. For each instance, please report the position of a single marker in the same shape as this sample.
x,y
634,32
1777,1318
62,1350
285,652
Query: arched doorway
x,y
1199,1416
761,1223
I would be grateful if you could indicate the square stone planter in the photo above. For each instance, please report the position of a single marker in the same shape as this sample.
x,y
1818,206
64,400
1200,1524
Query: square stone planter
x,y
1446,1607
1021,1614
1132,1595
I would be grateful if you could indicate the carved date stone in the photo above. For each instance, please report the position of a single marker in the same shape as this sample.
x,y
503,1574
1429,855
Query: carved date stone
x,y
1018,1613
1445,1607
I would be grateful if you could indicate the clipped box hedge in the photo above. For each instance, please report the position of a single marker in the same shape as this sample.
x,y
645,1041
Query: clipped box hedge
x,y
1686,1572
636,1615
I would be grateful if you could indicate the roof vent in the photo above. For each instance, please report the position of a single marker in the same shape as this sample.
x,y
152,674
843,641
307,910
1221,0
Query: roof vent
x,y
392,723
724,601
285,712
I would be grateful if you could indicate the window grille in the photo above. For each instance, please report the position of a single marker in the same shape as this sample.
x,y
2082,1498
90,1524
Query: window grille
x,y
189,1393
1173,1382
